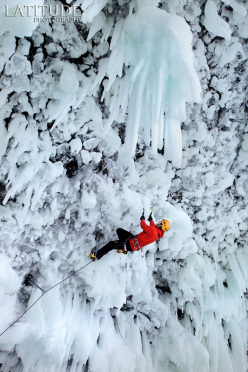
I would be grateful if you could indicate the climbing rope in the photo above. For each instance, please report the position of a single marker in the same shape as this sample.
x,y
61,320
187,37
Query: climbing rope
x,y
44,292
36,285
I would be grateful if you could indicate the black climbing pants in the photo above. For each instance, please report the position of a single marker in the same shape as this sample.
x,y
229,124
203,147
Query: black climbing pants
x,y
123,236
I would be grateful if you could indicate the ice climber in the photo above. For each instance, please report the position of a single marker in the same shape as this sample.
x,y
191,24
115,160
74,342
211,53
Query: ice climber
x,y
128,242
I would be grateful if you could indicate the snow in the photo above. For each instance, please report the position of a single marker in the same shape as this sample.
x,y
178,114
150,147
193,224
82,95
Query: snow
x,y
237,7
7,45
138,106
68,80
10,284
243,29
214,23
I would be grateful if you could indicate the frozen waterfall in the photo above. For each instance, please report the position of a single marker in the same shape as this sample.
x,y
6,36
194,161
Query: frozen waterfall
x,y
134,104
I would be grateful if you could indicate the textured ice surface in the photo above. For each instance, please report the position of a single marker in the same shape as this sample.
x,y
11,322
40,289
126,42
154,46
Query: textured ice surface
x,y
74,161
214,23
160,73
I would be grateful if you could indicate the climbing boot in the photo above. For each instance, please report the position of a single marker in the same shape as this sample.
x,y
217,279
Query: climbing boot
x,y
122,250
92,256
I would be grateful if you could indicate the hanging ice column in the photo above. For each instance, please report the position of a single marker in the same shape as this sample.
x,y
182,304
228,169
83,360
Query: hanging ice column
x,y
160,79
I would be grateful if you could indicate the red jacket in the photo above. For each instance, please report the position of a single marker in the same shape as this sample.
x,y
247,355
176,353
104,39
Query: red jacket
x,y
149,235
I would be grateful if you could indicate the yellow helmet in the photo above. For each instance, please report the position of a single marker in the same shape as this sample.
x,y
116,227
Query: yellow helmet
x,y
165,225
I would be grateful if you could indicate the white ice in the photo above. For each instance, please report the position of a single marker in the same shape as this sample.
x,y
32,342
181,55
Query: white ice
x,y
82,118
214,23
153,79
13,16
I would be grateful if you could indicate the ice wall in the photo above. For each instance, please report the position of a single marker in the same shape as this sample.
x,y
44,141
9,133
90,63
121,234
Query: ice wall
x,y
65,173
153,61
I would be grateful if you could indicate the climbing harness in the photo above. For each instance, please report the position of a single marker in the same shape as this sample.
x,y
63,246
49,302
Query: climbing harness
x,y
123,245
136,244
44,292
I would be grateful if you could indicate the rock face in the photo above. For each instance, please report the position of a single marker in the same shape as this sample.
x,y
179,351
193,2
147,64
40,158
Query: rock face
x,y
135,104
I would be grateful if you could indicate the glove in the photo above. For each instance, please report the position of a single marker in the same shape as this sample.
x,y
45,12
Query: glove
x,y
150,217
143,216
